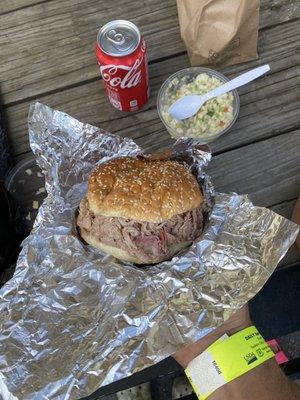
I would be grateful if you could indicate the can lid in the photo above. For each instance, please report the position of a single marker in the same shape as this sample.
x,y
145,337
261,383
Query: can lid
x,y
118,38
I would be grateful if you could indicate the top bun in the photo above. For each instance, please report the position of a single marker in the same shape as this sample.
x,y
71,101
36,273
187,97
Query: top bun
x,y
142,189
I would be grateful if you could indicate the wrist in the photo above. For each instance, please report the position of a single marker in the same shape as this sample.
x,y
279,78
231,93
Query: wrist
x,y
266,382
235,323
226,360
239,387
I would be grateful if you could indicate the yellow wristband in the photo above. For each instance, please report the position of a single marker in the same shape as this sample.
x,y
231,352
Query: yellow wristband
x,y
227,359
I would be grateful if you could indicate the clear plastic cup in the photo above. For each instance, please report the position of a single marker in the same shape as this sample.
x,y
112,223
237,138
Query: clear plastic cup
x,y
185,76
26,185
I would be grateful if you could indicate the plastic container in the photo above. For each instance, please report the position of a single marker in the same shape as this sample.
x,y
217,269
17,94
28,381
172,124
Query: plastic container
x,y
26,185
185,76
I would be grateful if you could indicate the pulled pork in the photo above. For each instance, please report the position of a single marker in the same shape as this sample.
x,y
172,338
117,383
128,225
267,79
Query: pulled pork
x,y
147,241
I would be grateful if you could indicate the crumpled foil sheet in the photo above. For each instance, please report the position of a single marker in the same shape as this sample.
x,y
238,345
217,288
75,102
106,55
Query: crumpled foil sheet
x,y
72,319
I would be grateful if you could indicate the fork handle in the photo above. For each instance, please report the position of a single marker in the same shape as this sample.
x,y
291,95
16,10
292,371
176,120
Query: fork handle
x,y
238,81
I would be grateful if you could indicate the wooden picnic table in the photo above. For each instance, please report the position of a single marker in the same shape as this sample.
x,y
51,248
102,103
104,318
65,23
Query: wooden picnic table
x,y
47,54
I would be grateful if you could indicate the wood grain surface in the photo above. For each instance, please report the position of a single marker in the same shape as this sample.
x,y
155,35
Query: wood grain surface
x,y
46,54
268,106
49,46
7,6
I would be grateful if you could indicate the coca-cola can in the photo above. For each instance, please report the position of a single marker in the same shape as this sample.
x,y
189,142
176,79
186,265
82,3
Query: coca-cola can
x,y
122,57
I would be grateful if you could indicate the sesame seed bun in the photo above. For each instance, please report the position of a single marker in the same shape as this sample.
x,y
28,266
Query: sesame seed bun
x,y
142,189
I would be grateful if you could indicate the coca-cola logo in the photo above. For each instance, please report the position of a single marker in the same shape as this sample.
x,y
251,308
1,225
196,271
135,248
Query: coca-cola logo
x,y
130,79
143,46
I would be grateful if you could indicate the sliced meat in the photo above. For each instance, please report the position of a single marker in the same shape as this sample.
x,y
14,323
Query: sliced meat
x,y
145,240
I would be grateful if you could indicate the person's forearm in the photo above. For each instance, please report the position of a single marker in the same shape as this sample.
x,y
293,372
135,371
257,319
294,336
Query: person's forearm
x,y
265,382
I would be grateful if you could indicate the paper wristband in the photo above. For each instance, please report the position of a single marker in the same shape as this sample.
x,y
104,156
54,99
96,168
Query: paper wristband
x,y
227,359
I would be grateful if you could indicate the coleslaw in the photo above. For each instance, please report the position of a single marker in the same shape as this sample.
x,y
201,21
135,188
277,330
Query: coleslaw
x,y
212,117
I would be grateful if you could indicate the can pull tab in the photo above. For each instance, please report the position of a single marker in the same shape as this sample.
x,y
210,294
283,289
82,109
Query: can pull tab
x,y
115,37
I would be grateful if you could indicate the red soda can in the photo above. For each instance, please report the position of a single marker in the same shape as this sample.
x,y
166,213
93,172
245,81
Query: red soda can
x,y
122,56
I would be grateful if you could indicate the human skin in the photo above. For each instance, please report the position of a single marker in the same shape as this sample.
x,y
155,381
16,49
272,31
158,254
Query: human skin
x,y
265,382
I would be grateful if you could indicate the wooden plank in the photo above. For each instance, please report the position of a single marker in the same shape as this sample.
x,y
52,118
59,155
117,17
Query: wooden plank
x,y
285,209
269,170
258,118
268,106
278,11
50,45
7,6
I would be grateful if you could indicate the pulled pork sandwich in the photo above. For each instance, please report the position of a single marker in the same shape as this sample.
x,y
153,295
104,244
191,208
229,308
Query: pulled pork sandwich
x,y
140,210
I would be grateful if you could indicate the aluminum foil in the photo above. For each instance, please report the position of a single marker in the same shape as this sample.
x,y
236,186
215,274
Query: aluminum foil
x,y
72,319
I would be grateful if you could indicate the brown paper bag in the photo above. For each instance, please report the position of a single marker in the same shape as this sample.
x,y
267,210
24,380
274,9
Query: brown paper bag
x,y
219,32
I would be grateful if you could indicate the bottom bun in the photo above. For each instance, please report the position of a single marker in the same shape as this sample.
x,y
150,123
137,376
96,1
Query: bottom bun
x,y
124,255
